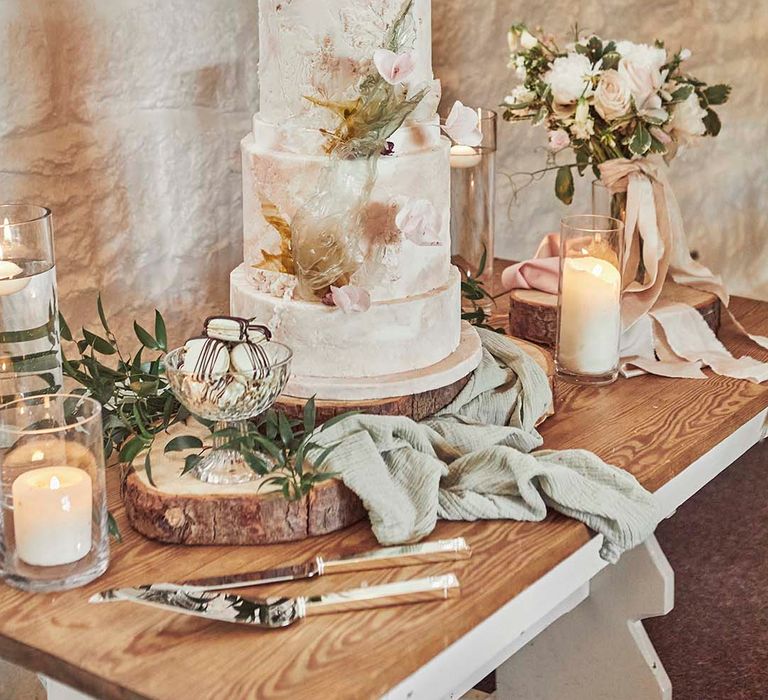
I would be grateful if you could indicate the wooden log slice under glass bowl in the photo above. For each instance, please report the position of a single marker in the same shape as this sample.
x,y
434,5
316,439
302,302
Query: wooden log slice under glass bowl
x,y
533,314
183,510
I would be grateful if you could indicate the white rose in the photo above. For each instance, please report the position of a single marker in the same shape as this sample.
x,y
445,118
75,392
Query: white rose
x,y
640,66
685,54
583,125
520,67
687,121
527,40
612,97
570,78
512,40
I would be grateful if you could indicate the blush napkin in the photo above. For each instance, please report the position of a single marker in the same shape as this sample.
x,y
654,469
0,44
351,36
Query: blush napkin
x,y
477,460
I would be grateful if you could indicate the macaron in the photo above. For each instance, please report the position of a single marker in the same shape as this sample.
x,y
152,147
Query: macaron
x,y
206,358
250,360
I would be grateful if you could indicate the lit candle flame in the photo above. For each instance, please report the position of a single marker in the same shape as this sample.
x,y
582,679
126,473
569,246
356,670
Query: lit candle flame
x,y
55,483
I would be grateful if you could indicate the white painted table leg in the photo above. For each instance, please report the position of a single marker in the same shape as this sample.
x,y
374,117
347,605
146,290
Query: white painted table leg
x,y
59,691
600,650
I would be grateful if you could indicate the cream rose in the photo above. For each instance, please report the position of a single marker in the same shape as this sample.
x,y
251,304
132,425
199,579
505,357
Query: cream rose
x,y
640,66
612,96
687,122
570,78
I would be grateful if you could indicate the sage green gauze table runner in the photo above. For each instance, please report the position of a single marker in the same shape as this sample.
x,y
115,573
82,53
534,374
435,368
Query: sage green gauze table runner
x,y
477,459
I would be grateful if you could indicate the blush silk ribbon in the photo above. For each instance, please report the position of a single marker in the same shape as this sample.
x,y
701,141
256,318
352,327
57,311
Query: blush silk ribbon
x,y
664,338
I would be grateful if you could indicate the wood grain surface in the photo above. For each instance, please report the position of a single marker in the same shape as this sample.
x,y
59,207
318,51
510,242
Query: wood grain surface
x,y
651,426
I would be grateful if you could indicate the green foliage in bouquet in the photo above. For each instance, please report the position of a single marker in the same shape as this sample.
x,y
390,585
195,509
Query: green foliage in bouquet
x,y
607,99
284,451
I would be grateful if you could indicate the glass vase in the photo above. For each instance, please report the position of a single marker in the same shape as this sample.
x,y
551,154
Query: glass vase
x,y
589,300
52,492
30,345
473,199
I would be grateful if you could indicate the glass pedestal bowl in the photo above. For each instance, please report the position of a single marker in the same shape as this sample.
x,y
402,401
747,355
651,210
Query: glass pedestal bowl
x,y
230,399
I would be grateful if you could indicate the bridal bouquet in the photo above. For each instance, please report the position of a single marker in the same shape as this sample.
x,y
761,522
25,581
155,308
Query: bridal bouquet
x,y
608,100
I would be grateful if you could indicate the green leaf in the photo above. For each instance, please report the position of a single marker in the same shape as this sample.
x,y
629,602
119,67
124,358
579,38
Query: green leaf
x,y
130,450
66,333
640,141
148,468
682,93
310,415
286,434
160,332
182,443
258,464
324,476
564,186
582,159
190,462
114,530
99,344
320,459
540,116
144,337
712,122
717,94
102,315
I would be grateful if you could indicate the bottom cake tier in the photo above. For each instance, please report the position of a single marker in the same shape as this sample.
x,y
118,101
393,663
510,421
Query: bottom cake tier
x,y
392,337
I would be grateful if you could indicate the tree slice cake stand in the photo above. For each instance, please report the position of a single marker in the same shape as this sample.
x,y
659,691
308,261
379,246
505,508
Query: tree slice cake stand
x,y
414,404
533,314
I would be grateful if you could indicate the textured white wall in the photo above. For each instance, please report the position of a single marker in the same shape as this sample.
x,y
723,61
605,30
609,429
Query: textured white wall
x,y
125,117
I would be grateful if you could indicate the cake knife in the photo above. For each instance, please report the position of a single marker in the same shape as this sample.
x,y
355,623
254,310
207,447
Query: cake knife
x,y
388,557
274,613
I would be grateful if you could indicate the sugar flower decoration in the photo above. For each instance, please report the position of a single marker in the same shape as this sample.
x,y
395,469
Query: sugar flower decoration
x,y
351,299
394,67
463,125
419,221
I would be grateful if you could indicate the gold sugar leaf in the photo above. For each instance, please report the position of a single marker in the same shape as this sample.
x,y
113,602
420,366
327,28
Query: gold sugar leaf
x,y
282,261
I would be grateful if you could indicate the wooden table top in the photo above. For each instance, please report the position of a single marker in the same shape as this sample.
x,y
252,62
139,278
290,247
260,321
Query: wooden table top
x,y
652,426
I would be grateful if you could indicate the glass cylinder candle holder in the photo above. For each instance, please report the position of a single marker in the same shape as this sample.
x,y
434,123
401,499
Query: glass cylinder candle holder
x,y
589,300
52,492
473,198
30,346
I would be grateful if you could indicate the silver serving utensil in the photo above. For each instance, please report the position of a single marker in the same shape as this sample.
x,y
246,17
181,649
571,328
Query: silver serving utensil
x,y
274,613
388,557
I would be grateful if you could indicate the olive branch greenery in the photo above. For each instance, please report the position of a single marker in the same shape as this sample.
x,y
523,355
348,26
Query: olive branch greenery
x,y
283,451
139,406
473,291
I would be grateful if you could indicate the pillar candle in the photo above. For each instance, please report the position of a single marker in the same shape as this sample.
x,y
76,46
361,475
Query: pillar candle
x,y
52,509
590,316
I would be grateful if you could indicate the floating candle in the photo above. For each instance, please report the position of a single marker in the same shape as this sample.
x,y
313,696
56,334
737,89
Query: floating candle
x,y
10,282
465,157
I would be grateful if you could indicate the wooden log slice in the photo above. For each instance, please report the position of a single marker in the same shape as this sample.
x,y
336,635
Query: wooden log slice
x,y
416,406
533,314
183,510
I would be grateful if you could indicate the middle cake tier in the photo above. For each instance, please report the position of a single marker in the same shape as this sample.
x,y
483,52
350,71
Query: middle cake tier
x,y
391,337
398,246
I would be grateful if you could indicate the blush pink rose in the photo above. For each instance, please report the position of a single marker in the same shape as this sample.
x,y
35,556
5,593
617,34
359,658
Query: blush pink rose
x,y
558,140
394,67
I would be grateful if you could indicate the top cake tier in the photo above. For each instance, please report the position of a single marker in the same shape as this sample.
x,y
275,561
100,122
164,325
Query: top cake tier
x,y
321,48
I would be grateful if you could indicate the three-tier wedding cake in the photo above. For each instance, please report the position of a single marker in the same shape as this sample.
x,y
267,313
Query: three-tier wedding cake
x,y
346,197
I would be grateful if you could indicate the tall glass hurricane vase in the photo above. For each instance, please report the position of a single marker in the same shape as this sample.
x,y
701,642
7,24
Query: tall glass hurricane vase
x,y
52,492
30,352
473,198
589,300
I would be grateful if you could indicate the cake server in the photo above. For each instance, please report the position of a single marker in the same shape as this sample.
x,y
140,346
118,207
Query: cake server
x,y
274,613
388,557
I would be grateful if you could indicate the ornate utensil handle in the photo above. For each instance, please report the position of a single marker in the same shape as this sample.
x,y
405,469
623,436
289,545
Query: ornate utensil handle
x,y
399,593
408,555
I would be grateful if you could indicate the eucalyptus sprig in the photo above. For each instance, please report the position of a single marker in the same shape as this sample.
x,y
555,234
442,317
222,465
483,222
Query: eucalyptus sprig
x,y
137,401
284,451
